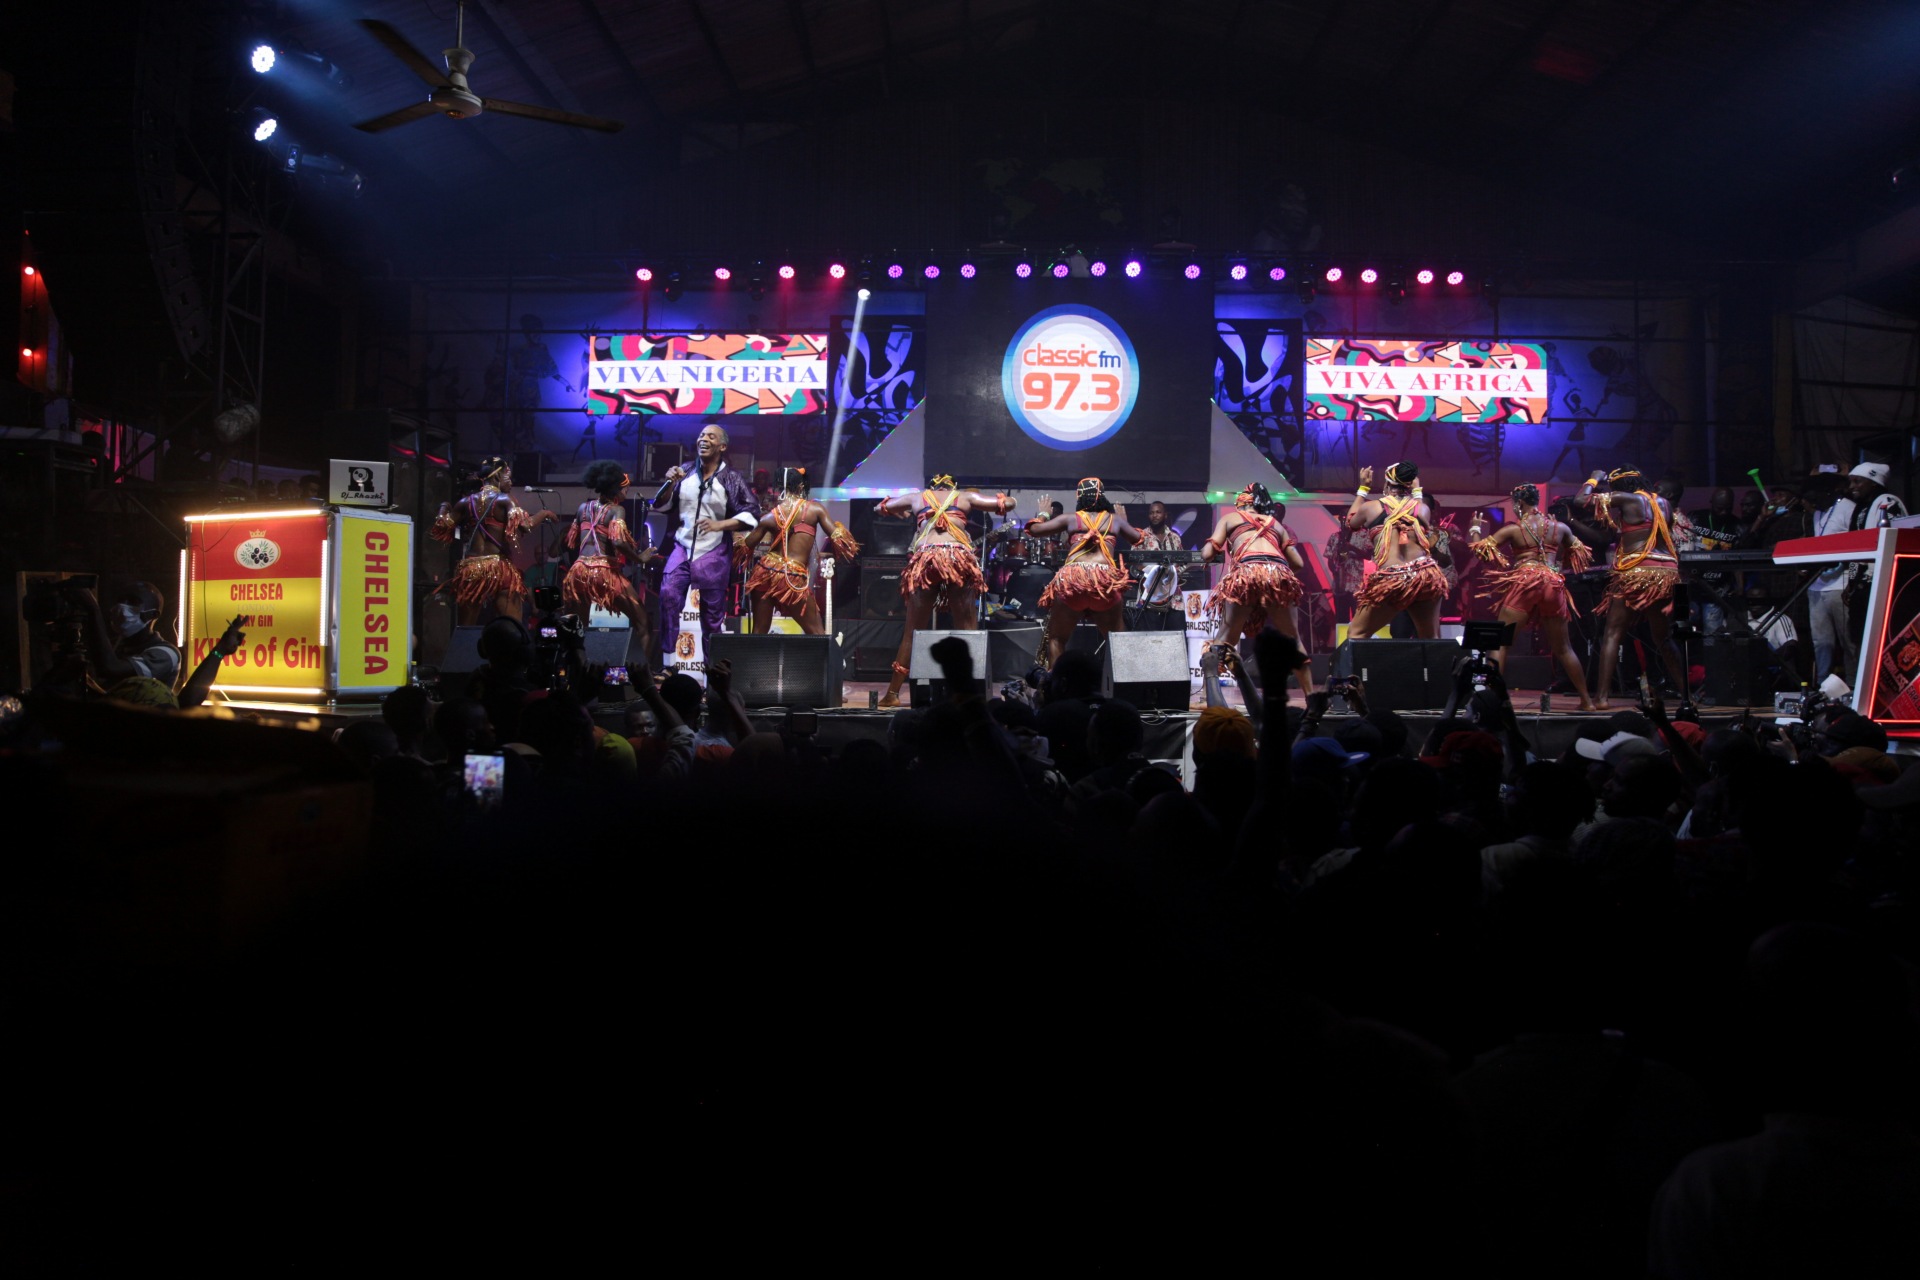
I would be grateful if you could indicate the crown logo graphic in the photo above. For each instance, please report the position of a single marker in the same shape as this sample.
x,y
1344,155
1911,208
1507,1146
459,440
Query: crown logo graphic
x,y
256,533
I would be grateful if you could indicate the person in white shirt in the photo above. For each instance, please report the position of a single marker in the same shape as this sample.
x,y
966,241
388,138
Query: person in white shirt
x,y
1826,597
704,506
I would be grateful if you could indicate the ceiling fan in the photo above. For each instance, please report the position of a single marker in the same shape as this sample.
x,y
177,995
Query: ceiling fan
x,y
451,94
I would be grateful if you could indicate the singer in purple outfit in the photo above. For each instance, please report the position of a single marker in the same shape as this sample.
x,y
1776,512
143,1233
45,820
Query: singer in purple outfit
x,y
703,507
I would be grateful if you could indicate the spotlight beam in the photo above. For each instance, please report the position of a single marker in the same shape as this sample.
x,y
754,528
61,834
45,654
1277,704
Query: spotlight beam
x,y
846,381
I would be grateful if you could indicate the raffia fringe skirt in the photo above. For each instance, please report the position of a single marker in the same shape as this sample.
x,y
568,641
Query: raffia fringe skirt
x,y
1401,586
782,581
948,569
478,579
1094,587
592,580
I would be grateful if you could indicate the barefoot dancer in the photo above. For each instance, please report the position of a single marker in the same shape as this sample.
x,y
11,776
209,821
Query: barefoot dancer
x,y
487,523
1259,588
779,580
604,544
942,570
1533,589
1408,577
1644,570
1092,581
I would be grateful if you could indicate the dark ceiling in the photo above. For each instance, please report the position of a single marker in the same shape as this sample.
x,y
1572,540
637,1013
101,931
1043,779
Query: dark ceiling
x,y
1742,128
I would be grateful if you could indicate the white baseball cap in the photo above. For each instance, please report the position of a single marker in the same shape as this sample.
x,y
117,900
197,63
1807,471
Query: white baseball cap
x,y
1874,471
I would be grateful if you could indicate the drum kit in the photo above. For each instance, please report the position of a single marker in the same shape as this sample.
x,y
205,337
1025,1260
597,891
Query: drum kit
x,y
1019,565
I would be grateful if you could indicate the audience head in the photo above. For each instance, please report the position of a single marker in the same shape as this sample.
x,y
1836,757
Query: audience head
x,y
684,694
368,742
1114,733
1223,731
406,711
1076,674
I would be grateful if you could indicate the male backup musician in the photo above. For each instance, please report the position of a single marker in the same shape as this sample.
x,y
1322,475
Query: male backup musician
x,y
1092,581
779,580
486,523
1407,576
1534,588
1645,569
603,546
942,570
1261,584
1159,583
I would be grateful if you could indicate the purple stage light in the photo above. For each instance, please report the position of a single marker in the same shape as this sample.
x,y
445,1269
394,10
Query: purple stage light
x,y
932,272
1023,270
1133,269
1369,275
1097,269
966,271
1456,277
644,275
837,271
1238,271
1193,271
721,273
1334,274
1276,274
895,271
786,271
1424,276
1059,271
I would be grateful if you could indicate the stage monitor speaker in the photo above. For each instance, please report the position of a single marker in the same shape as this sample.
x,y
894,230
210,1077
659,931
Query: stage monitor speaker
x,y
923,669
1741,671
1405,675
890,538
1013,647
463,652
782,670
880,587
1149,669
606,646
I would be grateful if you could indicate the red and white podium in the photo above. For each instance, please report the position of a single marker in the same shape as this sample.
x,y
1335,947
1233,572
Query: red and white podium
x,y
1886,684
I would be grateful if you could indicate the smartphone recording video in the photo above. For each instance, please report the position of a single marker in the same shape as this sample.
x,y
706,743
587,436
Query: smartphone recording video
x,y
486,780
616,675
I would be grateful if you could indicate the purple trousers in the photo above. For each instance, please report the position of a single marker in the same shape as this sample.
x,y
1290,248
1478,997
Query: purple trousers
x,y
710,573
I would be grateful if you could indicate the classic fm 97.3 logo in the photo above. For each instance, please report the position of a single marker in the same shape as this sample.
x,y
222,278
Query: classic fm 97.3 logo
x,y
1070,377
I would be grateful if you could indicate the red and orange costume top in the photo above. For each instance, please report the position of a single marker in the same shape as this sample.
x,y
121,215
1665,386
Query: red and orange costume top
x,y
487,523
949,568
1092,579
1257,570
604,542
1535,583
781,576
1641,580
1415,581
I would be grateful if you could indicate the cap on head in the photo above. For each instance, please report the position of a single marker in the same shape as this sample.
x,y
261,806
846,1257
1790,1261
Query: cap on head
x,y
1874,471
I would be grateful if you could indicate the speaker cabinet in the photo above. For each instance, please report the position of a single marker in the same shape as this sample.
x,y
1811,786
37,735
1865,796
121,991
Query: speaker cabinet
x,y
890,538
880,587
924,678
1149,669
1404,675
782,670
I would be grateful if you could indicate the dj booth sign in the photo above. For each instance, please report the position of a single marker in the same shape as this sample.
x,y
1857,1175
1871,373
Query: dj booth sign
x,y
328,595
1887,682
